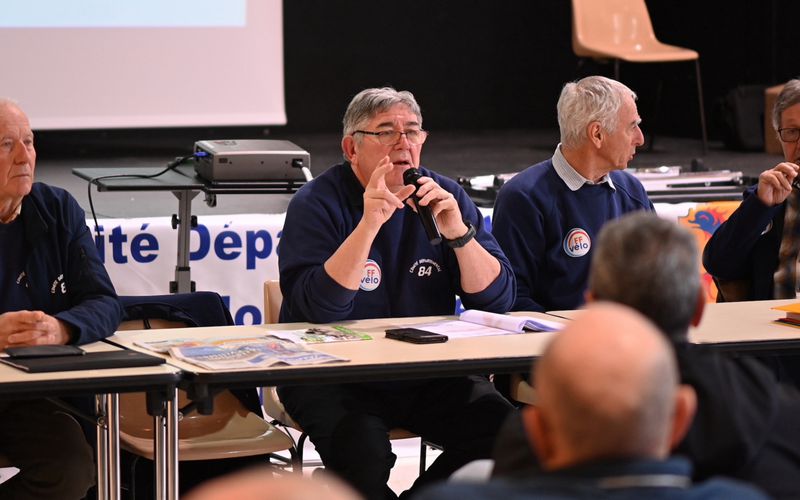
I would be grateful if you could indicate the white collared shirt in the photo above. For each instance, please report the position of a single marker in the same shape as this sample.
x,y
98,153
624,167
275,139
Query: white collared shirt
x,y
571,177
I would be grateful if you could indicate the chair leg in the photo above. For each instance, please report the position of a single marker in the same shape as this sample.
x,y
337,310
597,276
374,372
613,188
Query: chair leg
x,y
297,463
300,442
296,452
133,476
423,462
700,103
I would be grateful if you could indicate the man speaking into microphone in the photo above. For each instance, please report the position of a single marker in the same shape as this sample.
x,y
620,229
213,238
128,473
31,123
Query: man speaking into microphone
x,y
353,247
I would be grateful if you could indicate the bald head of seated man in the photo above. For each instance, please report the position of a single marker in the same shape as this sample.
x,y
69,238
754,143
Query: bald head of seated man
x,y
610,409
607,389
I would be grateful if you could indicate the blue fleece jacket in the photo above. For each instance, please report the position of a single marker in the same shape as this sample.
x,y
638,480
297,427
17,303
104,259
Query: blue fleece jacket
x,y
62,271
547,231
404,276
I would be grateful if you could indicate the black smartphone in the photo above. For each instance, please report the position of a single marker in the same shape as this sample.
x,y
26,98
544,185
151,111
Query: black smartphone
x,y
44,351
415,336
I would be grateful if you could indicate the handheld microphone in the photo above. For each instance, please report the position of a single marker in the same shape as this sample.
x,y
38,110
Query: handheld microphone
x,y
411,177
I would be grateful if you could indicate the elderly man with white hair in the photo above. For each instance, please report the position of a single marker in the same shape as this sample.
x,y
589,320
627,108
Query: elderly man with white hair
x,y
55,290
547,217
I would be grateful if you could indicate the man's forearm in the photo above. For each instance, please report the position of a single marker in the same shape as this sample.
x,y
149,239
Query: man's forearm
x,y
478,267
346,265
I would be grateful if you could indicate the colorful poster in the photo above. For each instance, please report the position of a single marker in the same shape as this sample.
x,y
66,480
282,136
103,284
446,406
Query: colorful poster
x,y
702,219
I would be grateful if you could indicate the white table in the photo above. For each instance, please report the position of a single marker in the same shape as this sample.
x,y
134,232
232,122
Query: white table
x,y
106,384
739,326
376,359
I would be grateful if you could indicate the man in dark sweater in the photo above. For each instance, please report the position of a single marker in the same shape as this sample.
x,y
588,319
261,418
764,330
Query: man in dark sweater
x,y
754,253
547,217
746,423
55,290
605,420
353,247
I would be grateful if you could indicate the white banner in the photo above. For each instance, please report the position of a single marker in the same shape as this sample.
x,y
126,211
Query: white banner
x,y
234,254
229,254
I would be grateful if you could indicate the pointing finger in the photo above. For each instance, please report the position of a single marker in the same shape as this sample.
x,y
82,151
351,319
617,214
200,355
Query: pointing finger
x,y
378,177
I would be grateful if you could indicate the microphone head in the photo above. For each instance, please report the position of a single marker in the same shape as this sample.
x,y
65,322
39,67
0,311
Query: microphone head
x,y
411,176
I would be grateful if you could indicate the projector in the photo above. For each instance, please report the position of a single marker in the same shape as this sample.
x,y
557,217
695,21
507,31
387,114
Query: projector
x,y
233,160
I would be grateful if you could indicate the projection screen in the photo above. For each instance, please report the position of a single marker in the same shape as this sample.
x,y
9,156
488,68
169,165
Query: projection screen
x,y
83,64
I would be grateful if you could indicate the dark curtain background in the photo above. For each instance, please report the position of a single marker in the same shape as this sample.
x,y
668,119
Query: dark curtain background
x,y
501,64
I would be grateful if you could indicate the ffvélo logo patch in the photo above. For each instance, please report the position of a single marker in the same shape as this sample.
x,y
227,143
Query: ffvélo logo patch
x,y
371,278
577,242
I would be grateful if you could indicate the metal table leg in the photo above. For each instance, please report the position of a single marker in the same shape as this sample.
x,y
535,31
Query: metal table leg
x,y
112,416
108,474
102,447
172,446
166,448
183,223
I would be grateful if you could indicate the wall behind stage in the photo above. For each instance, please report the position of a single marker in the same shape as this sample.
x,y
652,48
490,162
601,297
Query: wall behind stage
x,y
495,65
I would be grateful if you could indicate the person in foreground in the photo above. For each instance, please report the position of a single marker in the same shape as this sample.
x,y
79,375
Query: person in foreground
x,y
353,247
259,483
547,217
753,255
746,422
55,291
606,419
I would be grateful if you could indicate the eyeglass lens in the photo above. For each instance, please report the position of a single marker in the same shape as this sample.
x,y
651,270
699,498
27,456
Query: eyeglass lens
x,y
789,134
390,138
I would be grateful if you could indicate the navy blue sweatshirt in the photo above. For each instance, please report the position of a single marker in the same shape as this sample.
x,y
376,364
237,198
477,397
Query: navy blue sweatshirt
x,y
547,231
404,276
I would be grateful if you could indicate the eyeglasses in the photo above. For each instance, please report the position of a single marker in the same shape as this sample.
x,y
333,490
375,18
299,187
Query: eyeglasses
x,y
789,134
392,137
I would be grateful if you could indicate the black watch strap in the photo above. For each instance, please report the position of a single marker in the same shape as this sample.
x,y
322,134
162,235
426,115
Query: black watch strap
x,y
460,242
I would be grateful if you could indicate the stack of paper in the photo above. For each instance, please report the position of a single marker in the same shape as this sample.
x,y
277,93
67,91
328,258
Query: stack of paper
x,y
792,314
474,323
239,353
516,324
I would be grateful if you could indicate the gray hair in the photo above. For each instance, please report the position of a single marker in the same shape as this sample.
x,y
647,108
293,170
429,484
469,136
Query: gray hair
x,y
370,102
591,99
652,265
789,96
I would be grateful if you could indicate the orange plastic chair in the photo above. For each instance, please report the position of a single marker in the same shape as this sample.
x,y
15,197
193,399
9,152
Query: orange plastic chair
x,y
230,431
621,30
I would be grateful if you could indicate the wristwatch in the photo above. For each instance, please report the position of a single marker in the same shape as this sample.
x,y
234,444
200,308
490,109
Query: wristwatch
x,y
460,242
